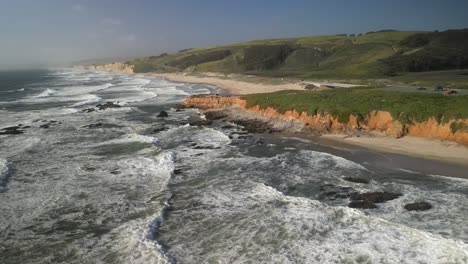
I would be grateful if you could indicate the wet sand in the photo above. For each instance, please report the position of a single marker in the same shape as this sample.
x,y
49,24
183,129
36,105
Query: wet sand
x,y
409,157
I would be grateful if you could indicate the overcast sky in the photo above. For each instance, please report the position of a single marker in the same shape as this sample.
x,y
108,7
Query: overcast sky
x,y
46,32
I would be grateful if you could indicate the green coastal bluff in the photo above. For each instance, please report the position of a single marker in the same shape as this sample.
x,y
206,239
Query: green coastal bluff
x,y
418,79
385,53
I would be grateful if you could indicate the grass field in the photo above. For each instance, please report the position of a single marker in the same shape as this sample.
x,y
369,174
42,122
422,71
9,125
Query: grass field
x,y
371,56
341,103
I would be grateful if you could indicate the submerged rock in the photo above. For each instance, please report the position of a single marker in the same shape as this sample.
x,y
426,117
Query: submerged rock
x,y
215,115
356,180
88,110
162,114
160,129
88,168
227,127
205,147
44,126
418,206
14,130
362,205
333,192
94,125
104,106
368,200
255,125
201,123
375,197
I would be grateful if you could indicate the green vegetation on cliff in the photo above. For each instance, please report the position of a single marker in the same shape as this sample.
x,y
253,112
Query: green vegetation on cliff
x,y
341,103
373,55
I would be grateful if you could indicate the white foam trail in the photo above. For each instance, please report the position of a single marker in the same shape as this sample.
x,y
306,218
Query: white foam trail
x,y
286,229
48,92
4,170
93,99
132,138
79,90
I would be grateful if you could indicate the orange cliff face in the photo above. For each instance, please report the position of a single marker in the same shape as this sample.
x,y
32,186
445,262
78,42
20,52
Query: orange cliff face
x,y
381,121
214,101
113,67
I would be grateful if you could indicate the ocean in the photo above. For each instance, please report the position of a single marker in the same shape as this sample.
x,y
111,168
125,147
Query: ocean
x,y
122,185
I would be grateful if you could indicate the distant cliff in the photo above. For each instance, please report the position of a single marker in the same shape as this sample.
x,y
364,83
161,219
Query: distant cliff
x,y
376,120
112,67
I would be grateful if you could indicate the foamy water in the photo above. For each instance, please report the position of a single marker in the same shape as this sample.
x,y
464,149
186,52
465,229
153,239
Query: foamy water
x,y
123,186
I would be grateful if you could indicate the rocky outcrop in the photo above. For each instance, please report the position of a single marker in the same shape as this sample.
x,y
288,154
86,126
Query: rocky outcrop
x,y
214,102
163,114
113,67
418,206
14,130
381,121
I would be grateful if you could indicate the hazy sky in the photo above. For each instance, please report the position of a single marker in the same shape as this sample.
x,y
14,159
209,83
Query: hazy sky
x,y
59,31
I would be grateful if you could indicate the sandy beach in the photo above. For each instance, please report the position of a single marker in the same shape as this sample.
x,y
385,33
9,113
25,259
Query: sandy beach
x,y
426,148
233,86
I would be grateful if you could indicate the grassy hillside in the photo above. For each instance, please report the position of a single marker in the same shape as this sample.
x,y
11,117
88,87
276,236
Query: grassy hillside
x,y
340,103
371,55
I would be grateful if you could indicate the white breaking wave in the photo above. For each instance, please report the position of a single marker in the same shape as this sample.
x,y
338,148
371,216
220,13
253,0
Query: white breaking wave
x,y
285,229
3,172
93,99
80,90
132,138
48,92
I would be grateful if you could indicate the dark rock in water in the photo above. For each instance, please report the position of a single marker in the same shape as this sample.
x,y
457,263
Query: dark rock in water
x,y
94,125
88,110
44,126
162,114
206,147
159,129
362,205
356,180
88,168
255,126
375,197
104,106
227,127
179,107
201,123
14,130
419,206
115,172
178,171
215,115
333,192
179,110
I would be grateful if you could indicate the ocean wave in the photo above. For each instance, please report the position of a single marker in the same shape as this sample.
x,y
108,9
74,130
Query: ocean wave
x,y
46,93
286,229
129,138
4,173
93,99
84,89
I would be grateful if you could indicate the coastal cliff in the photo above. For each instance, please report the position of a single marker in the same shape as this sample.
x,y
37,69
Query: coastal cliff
x,y
119,67
377,120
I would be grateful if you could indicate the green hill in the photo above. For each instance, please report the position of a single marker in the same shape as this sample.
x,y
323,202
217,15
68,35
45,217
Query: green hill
x,y
374,54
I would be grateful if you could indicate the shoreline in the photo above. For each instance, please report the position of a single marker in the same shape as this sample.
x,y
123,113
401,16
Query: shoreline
x,y
440,153
365,149
234,87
